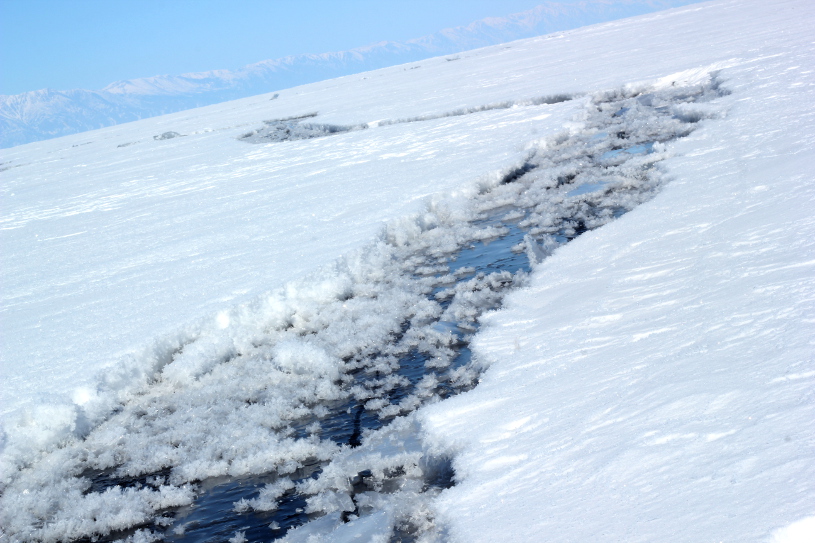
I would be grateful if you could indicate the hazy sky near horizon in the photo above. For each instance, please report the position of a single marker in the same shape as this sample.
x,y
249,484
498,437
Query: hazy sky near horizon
x,y
66,44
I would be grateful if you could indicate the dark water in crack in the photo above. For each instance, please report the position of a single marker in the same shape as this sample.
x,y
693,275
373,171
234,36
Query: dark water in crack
x,y
494,256
212,518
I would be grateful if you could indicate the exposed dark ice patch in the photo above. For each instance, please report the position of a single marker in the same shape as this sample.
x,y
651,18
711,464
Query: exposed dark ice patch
x,y
7,166
294,128
167,136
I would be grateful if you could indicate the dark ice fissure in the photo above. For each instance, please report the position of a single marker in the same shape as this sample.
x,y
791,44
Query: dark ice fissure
x,y
299,128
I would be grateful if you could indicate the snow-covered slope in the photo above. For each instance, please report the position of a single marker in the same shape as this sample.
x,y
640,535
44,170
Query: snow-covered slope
x,y
47,113
652,382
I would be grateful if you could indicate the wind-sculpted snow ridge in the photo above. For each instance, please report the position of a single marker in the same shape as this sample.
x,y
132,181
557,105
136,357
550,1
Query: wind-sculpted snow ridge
x,y
311,389
293,128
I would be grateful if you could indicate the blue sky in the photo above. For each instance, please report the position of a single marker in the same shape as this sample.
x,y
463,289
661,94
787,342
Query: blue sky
x,y
65,44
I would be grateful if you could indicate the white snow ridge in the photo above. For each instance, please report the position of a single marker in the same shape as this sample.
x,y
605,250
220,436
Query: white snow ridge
x,y
558,290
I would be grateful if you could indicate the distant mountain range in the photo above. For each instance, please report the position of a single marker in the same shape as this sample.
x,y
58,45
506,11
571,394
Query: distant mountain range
x,y
46,113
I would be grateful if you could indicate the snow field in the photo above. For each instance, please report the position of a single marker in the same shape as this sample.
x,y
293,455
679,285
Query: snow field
x,y
697,304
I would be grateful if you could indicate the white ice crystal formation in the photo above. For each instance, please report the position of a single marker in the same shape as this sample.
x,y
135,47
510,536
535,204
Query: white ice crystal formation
x,y
312,388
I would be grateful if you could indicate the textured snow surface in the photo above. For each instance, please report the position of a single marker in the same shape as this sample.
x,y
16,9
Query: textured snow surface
x,y
165,279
